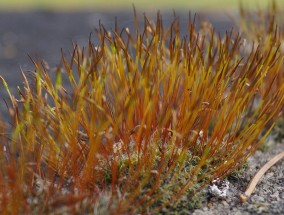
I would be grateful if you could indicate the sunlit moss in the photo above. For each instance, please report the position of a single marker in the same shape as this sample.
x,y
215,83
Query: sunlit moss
x,y
143,117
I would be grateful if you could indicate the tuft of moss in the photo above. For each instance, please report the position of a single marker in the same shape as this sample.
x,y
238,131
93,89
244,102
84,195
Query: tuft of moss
x,y
141,120
265,29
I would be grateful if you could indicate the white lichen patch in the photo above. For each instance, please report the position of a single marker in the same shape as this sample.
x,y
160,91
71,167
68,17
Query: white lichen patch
x,y
219,188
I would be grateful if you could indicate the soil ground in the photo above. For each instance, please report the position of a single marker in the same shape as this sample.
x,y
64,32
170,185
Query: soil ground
x,y
43,33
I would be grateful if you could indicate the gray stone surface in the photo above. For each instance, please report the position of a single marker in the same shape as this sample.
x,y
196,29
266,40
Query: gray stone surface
x,y
267,197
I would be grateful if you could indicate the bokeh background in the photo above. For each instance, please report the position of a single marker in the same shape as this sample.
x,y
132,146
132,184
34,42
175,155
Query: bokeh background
x,y
41,28
115,5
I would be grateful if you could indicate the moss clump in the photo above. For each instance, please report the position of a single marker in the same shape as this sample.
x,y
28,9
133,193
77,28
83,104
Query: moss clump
x,y
143,118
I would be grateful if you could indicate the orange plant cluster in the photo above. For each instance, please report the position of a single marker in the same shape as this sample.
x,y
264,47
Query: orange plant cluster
x,y
134,123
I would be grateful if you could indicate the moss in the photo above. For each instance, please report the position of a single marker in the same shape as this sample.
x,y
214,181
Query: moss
x,y
147,120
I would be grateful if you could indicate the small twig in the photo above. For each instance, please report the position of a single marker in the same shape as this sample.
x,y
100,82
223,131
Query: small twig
x,y
259,174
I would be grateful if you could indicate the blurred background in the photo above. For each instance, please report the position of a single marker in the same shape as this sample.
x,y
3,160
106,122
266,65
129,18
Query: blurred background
x,y
40,28
115,5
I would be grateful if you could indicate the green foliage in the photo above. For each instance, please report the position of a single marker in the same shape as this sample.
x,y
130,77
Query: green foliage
x,y
143,119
